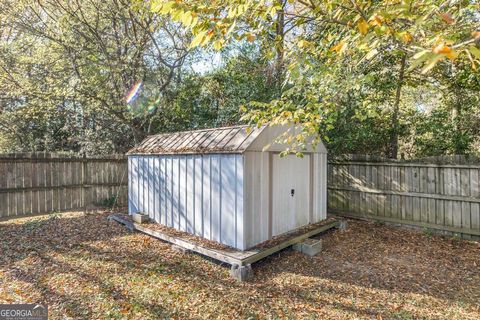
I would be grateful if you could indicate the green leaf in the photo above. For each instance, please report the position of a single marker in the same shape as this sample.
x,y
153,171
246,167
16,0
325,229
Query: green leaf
x,y
420,54
475,51
420,58
432,63
217,45
198,39
166,7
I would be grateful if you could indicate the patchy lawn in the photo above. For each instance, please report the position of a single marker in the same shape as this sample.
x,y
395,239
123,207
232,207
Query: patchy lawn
x,y
85,267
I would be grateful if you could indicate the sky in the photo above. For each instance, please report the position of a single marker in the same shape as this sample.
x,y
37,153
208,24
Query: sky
x,y
207,62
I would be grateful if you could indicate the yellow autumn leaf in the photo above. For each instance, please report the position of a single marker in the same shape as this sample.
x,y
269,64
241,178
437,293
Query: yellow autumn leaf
x,y
376,20
407,37
442,49
207,38
187,18
303,43
217,45
272,11
338,47
286,114
452,55
198,39
363,26
250,37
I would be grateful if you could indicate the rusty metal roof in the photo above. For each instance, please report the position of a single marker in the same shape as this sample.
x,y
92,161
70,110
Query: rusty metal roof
x,y
218,140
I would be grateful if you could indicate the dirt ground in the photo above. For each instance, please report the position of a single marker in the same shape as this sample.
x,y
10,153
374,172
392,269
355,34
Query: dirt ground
x,y
85,267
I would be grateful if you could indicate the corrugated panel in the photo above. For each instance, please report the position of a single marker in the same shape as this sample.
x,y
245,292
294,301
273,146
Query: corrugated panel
x,y
200,194
219,140
256,196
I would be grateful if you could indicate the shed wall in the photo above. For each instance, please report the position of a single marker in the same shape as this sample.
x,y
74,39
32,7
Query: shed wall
x,y
198,194
257,193
257,202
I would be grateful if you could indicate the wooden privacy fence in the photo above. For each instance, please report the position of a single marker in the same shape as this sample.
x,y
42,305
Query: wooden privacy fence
x,y
443,197
35,183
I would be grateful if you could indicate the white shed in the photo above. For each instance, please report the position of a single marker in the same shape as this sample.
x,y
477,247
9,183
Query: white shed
x,y
221,184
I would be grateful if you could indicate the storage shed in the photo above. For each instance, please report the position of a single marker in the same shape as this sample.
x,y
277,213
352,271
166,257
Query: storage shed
x,y
228,185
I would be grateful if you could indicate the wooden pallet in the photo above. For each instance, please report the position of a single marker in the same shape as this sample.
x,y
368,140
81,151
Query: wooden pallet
x,y
231,257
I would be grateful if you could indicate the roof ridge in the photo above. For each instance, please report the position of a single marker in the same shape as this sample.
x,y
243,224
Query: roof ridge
x,y
206,129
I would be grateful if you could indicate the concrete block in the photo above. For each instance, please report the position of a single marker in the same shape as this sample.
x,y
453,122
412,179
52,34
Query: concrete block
x,y
241,273
343,225
297,247
140,218
310,247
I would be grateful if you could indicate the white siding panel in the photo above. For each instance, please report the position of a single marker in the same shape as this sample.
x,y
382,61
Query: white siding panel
x,y
216,199
228,184
264,188
168,194
156,196
198,186
256,200
182,209
190,195
133,185
175,192
239,213
200,194
163,200
151,186
141,189
206,198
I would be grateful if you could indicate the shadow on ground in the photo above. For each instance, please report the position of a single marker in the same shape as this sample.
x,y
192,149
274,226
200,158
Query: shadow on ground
x,y
86,267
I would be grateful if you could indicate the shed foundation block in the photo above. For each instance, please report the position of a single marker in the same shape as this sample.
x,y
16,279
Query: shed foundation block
x,y
310,247
241,273
140,218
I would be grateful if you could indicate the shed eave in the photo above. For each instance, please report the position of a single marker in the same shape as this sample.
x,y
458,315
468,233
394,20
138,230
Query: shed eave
x,y
185,153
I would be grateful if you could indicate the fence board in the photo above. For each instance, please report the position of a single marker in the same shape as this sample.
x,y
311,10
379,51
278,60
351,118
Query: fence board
x,y
439,196
40,183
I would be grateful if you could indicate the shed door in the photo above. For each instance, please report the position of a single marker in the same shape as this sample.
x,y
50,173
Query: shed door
x,y
290,192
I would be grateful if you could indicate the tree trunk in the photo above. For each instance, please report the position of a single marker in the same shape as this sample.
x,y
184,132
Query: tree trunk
x,y
393,147
459,146
138,134
279,63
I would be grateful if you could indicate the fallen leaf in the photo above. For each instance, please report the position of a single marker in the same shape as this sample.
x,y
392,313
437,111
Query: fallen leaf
x,y
363,26
447,17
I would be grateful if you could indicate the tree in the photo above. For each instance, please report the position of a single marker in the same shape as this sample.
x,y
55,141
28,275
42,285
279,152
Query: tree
x,y
81,58
420,34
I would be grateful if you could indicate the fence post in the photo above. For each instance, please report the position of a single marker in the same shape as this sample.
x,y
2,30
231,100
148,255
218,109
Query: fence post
x,y
85,187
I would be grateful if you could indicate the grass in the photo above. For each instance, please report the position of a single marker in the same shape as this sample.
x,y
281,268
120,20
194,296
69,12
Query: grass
x,y
85,267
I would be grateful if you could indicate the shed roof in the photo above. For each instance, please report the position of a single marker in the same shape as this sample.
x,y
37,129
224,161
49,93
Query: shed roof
x,y
237,139
234,139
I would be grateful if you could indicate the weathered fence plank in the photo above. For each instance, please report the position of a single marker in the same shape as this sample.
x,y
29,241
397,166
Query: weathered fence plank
x,y
39,183
438,196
